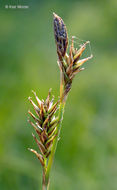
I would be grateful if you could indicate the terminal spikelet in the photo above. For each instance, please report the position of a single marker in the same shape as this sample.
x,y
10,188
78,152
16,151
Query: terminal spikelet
x,y
69,64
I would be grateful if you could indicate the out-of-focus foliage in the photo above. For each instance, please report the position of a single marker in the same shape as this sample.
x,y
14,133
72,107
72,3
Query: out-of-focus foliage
x,y
86,157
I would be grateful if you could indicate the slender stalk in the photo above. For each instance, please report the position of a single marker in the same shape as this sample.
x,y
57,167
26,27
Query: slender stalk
x,y
45,185
60,117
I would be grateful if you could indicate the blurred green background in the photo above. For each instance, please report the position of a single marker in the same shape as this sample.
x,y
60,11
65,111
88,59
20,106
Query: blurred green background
x,y
86,157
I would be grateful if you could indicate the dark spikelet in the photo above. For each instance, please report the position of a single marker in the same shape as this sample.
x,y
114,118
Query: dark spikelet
x,y
61,37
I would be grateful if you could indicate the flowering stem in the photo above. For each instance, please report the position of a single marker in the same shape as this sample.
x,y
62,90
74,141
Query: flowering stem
x,y
60,117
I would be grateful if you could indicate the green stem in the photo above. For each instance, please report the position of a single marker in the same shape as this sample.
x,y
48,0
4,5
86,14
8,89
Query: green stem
x,y
50,161
45,185
60,117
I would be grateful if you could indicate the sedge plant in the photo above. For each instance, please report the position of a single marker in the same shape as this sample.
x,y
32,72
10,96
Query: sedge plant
x,y
49,115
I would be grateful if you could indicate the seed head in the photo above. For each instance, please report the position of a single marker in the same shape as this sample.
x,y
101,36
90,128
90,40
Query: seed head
x,y
44,123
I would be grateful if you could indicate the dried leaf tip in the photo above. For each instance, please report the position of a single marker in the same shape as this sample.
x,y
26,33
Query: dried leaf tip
x,y
61,37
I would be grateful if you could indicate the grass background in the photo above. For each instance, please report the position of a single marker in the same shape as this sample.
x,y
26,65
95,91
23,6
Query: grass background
x,y
86,157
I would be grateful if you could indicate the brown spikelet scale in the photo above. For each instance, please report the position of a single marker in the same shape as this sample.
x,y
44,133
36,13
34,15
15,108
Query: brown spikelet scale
x,y
39,156
42,123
